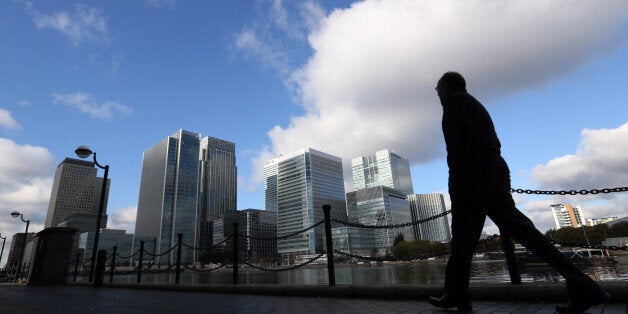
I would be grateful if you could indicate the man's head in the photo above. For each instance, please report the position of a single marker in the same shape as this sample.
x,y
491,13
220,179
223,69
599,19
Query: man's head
x,y
451,82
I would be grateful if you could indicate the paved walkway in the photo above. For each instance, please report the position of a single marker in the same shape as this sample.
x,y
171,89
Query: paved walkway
x,y
85,299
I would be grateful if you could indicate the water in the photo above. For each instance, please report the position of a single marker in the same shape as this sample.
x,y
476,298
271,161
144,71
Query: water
x,y
424,272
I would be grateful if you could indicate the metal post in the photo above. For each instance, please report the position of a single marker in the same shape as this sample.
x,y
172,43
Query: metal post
x,y
235,253
76,265
113,262
99,218
330,247
177,278
140,262
19,263
511,259
99,274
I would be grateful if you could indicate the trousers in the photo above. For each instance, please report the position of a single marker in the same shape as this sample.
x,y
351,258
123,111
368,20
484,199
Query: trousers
x,y
486,192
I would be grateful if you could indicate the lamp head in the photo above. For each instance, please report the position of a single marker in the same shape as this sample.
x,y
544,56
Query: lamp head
x,y
16,214
83,151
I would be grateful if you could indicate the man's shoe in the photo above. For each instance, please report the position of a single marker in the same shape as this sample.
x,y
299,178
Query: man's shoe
x,y
448,301
581,304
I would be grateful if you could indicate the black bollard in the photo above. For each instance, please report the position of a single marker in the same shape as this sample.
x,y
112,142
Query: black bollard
x,y
235,253
330,247
140,263
179,245
99,274
511,259
113,262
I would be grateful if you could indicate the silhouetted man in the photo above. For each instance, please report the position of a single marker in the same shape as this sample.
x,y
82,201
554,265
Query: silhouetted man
x,y
479,185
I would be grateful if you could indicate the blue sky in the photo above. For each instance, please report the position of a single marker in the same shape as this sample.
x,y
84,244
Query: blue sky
x,y
345,78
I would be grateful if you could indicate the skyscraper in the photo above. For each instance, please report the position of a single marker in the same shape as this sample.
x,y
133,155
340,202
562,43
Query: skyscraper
x,y
185,182
384,168
306,180
566,215
76,190
425,206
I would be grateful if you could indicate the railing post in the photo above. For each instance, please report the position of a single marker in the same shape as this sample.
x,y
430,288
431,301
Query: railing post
x,y
235,253
330,247
511,259
179,245
140,263
99,273
76,264
113,262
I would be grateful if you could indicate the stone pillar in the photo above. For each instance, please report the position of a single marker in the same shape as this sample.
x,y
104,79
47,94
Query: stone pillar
x,y
51,257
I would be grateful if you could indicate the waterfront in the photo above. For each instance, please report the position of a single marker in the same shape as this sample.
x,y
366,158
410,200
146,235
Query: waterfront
x,y
423,272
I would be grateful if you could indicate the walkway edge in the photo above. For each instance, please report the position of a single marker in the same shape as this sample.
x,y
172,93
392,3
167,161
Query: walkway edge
x,y
542,292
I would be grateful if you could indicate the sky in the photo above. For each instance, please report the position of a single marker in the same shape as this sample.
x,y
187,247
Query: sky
x,y
347,78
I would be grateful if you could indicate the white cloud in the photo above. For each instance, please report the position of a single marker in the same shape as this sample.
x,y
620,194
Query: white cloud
x,y
26,175
85,23
601,161
24,103
7,121
88,104
123,218
370,81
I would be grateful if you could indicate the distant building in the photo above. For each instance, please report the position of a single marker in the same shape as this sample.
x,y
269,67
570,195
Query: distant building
x,y
566,215
255,225
384,168
616,221
109,238
186,182
306,180
429,205
17,246
599,221
379,206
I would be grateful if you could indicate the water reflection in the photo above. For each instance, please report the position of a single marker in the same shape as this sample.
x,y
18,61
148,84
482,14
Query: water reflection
x,y
486,271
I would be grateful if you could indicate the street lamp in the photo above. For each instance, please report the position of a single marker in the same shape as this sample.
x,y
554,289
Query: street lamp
x,y
16,214
84,152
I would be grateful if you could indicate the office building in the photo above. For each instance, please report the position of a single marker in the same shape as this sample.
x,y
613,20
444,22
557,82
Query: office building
x,y
124,242
566,215
76,190
380,206
306,180
187,181
424,206
599,221
15,252
254,226
385,168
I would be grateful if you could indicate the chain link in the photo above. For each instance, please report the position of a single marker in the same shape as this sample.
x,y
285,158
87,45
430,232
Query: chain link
x,y
309,261
571,192
286,235
359,225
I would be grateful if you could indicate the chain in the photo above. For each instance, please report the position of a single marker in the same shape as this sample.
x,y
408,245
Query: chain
x,y
359,225
209,248
309,261
571,192
124,257
286,235
162,254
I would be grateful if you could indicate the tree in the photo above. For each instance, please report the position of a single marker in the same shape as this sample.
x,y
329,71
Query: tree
x,y
399,238
619,229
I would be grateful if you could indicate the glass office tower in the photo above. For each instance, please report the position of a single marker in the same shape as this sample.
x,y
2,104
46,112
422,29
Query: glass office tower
x,y
384,168
306,180
380,206
426,206
168,197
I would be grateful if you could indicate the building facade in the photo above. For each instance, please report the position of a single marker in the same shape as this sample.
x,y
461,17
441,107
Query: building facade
x,y
76,189
380,206
424,206
186,181
254,226
384,168
17,247
306,180
566,215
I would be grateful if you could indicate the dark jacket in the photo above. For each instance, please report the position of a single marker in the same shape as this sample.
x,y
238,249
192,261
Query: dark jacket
x,y
472,144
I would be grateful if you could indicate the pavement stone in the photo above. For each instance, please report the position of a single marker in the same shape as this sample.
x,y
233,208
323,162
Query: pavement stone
x,y
74,299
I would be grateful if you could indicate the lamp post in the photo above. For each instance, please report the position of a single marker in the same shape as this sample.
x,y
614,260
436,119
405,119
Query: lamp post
x,y
16,214
4,240
84,152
